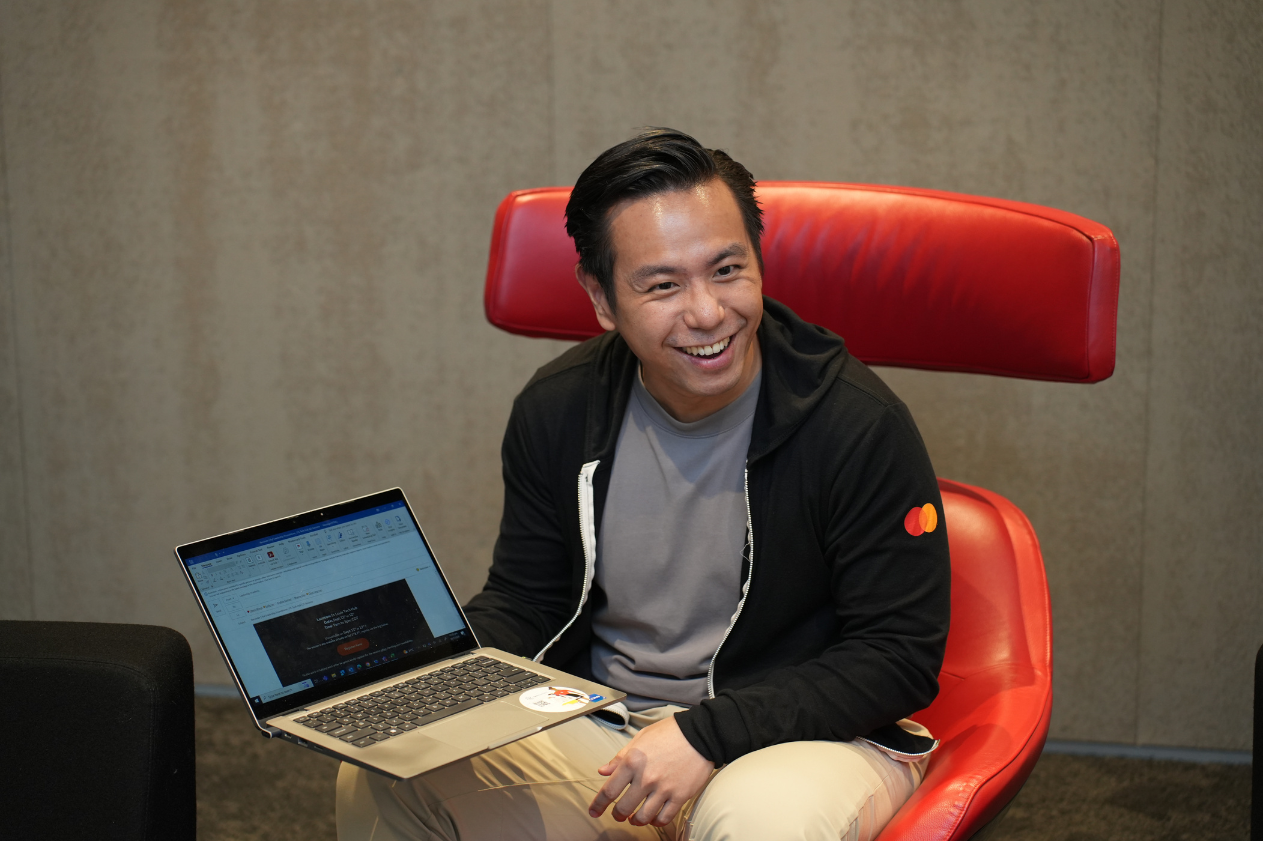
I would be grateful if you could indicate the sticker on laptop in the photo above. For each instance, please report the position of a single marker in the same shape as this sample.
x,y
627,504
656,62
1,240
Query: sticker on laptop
x,y
555,699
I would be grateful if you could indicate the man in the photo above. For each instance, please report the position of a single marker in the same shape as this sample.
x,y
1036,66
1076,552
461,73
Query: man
x,y
705,508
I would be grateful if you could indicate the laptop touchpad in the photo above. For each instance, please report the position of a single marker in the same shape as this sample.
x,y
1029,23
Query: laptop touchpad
x,y
493,723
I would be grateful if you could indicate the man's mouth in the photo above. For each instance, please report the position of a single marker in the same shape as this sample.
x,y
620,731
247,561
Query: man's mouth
x,y
708,350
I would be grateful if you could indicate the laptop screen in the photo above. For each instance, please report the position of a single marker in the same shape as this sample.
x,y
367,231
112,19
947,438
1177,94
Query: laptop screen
x,y
327,601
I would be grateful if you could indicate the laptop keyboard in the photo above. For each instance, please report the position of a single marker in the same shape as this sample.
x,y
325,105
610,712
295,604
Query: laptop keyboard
x,y
397,709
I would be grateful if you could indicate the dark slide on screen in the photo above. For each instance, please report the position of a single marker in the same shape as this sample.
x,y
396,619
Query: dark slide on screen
x,y
328,638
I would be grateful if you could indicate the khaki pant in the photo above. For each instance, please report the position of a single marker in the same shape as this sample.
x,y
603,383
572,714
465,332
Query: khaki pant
x,y
540,788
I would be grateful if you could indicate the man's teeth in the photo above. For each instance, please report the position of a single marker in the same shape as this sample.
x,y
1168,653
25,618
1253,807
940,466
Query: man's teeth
x,y
708,350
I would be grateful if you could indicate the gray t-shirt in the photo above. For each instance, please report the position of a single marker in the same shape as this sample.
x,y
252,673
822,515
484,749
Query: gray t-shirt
x,y
669,553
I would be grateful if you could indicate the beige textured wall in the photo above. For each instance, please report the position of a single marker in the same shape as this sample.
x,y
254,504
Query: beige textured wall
x,y
1202,611
242,248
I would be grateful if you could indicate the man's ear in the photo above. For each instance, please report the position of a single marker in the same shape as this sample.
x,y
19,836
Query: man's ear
x,y
596,294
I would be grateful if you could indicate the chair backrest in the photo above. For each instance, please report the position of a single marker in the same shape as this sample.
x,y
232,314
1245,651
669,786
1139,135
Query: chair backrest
x,y
909,278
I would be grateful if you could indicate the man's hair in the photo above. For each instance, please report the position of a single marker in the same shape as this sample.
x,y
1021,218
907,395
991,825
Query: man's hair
x,y
658,160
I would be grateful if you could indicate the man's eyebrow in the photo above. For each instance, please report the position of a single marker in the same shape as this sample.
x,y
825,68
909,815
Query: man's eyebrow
x,y
646,272
734,250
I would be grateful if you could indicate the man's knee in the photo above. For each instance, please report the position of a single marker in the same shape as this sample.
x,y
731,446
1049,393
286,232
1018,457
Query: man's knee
x,y
370,806
801,790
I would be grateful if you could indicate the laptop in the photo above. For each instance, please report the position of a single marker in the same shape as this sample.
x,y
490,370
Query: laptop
x,y
343,636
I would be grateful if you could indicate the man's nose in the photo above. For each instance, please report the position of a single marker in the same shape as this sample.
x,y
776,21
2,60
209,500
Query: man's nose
x,y
705,311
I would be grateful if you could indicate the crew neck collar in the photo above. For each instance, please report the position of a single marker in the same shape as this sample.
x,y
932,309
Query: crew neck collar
x,y
715,423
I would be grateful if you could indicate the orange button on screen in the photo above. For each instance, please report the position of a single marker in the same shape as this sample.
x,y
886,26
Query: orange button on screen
x,y
353,646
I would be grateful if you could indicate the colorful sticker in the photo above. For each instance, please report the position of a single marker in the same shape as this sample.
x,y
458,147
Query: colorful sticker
x,y
554,699
920,520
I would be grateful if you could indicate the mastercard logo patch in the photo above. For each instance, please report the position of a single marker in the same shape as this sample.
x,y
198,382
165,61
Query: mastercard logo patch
x,y
920,520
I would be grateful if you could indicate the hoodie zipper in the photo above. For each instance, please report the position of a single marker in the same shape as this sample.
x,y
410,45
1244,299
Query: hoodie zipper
x,y
745,590
587,536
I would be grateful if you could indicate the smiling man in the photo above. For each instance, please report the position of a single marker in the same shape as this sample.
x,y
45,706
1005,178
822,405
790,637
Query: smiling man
x,y
705,508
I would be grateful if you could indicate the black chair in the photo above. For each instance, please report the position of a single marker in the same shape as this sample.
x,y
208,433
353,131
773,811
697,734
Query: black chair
x,y
98,733
1256,793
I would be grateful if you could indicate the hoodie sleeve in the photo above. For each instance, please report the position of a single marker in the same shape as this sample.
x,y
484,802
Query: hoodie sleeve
x,y
528,591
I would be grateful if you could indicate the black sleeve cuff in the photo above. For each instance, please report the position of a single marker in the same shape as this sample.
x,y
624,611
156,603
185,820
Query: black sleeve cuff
x,y
693,724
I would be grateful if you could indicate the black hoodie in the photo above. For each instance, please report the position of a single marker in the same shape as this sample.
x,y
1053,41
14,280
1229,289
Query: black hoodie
x,y
841,629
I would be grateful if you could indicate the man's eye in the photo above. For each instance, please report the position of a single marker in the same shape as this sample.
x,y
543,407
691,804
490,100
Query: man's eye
x,y
725,271
663,287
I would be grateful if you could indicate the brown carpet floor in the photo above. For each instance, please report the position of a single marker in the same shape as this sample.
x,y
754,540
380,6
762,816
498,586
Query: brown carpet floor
x,y
254,789
1082,798
251,789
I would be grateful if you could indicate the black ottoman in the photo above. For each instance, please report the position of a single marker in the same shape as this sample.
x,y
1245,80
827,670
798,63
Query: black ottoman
x,y
98,732
1256,788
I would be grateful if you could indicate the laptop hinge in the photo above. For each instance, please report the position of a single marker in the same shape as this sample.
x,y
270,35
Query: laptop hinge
x,y
304,707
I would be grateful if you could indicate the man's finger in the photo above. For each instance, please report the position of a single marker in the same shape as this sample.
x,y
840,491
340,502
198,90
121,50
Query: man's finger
x,y
620,776
626,805
667,813
608,768
649,810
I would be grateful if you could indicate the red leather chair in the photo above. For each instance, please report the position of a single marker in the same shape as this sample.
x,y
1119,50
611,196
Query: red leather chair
x,y
918,279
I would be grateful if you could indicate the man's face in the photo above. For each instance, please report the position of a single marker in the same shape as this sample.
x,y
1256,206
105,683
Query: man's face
x,y
689,296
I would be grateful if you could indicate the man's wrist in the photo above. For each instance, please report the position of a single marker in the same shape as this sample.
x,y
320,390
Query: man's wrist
x,y
687,721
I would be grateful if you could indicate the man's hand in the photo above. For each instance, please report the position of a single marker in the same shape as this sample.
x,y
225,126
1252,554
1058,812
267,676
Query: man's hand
x,y
659,769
